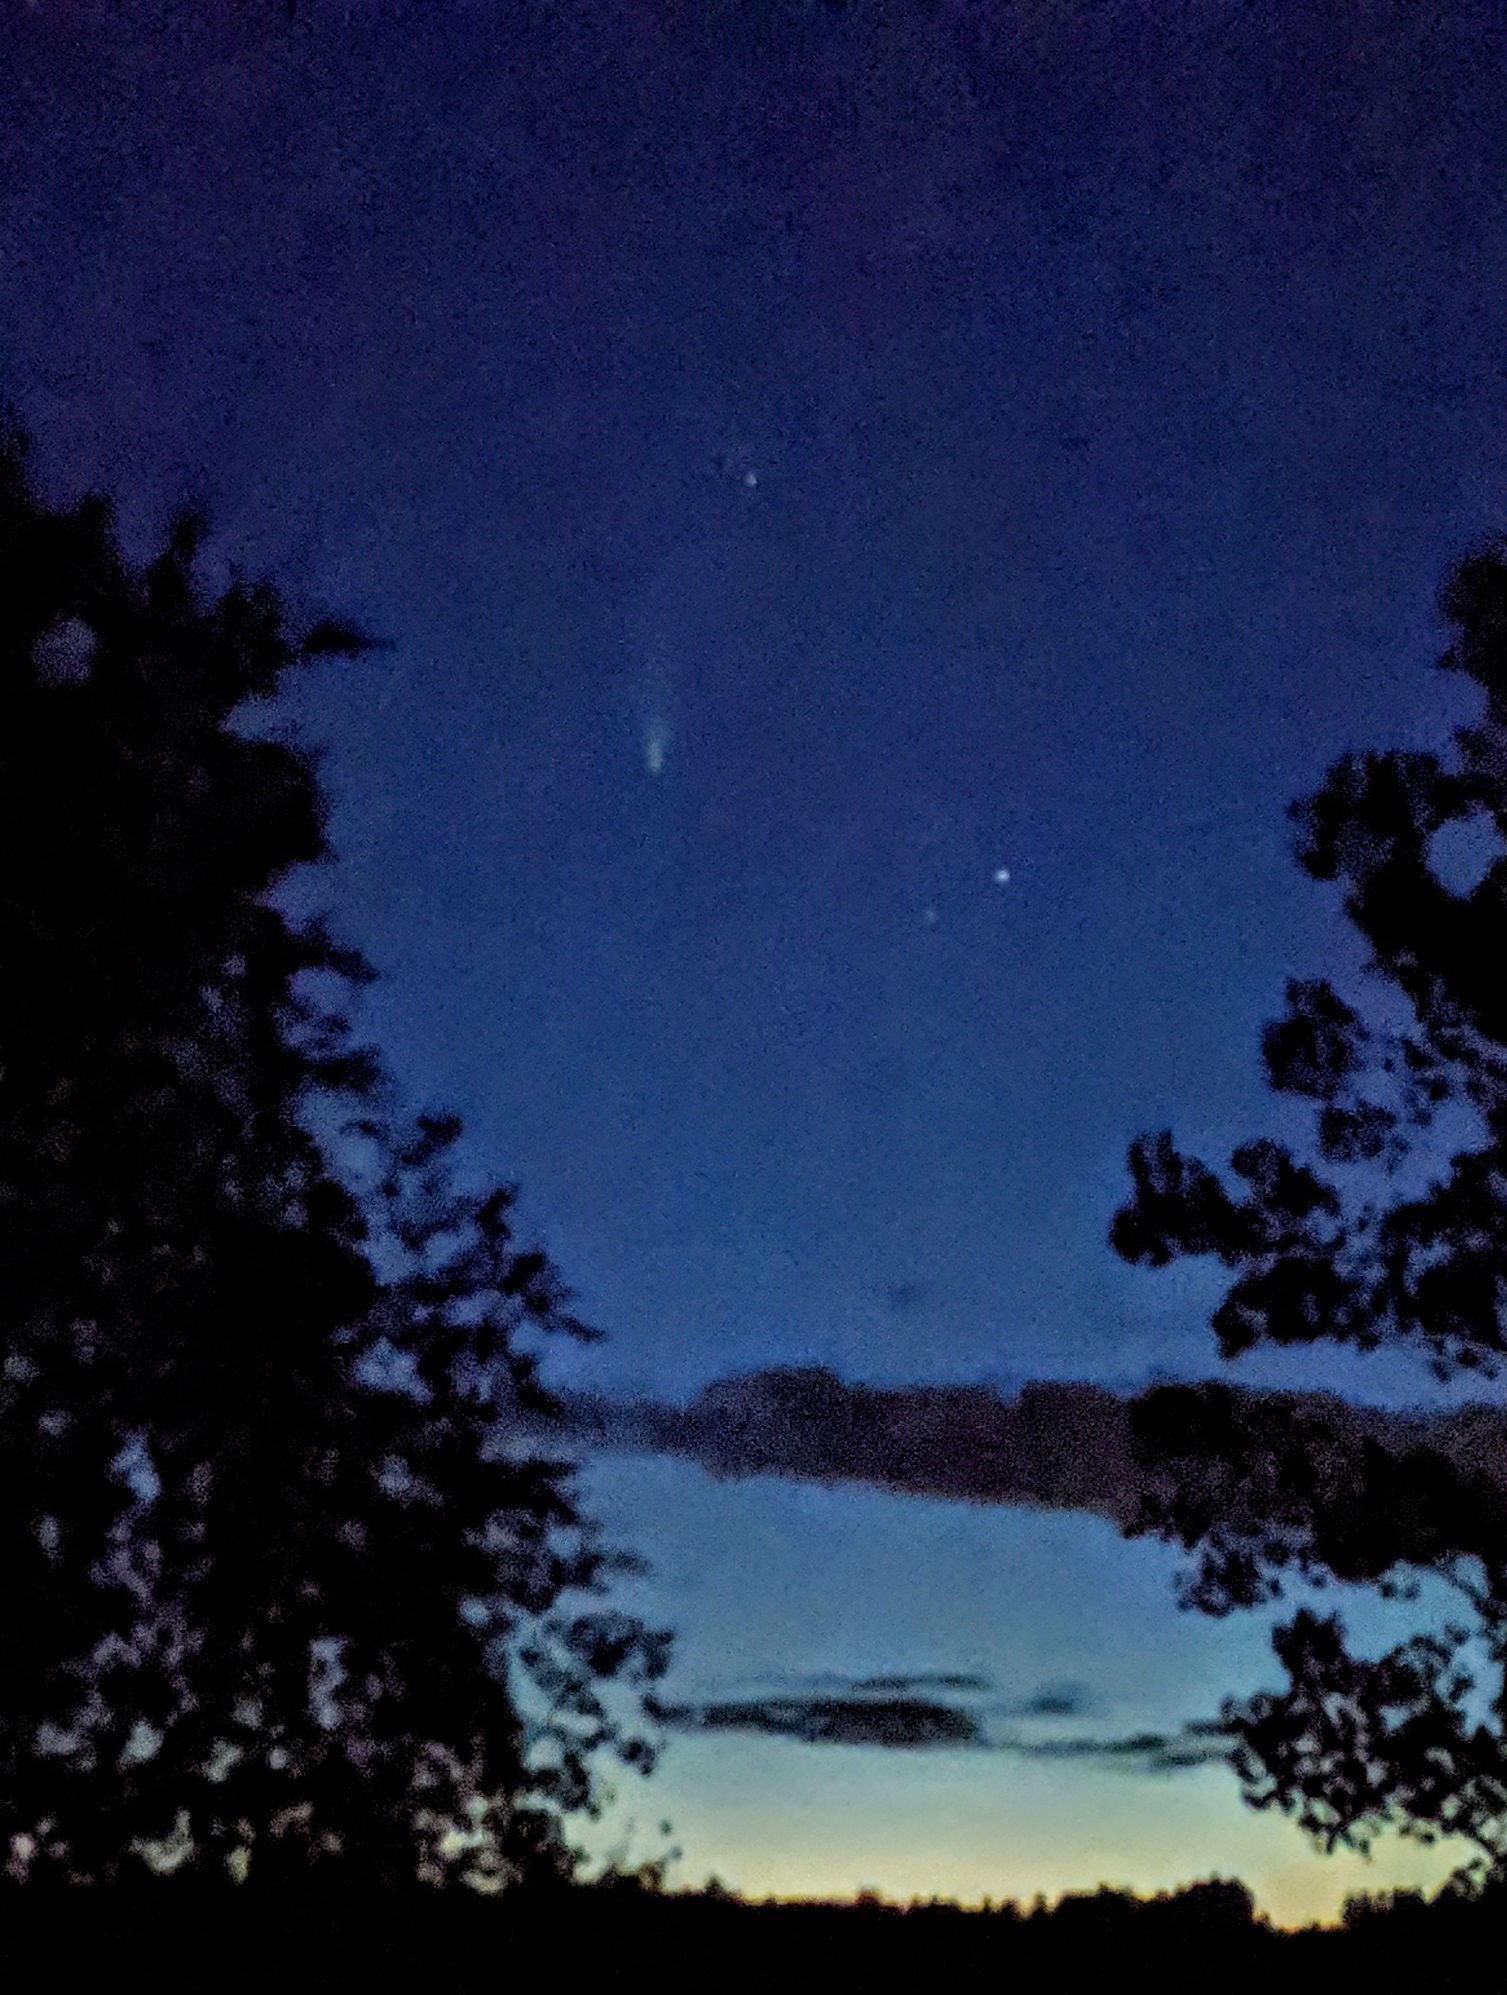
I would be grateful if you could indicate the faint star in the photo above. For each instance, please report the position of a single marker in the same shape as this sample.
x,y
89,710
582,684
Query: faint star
x,y
1002,876
929,916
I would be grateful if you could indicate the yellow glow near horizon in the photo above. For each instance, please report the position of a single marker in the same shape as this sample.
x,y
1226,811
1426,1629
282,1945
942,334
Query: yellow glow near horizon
x,y
799,1824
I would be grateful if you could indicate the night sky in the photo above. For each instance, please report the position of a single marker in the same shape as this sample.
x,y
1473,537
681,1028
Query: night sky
x,y
873,514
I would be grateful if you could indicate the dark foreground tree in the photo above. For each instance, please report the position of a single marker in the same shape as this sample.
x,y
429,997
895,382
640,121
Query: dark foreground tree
x,y
282,1588
1390,1230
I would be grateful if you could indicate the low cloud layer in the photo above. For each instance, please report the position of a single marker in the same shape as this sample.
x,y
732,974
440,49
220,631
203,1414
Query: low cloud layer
x,y
926,1680
1056,1699
843,1721
1060,1446
1201,1742
858,1715
1055,1446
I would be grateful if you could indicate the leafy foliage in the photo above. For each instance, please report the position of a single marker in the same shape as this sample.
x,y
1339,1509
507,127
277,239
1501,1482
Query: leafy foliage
x,y
277,1572
1393,1231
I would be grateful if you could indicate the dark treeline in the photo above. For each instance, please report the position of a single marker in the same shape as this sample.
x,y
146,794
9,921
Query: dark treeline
x,y
624,1934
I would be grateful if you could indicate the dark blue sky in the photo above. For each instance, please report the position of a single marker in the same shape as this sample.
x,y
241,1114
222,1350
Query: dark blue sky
x,y
803,463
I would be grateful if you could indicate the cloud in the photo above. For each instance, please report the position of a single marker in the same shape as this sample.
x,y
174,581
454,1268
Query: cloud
x,y
897,1722
1056,1446
924,1680
1201,1742
1060,1446
1055,1700
911,1723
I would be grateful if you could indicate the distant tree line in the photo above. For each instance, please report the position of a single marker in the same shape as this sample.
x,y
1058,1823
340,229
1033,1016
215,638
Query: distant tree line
x,y
632,1934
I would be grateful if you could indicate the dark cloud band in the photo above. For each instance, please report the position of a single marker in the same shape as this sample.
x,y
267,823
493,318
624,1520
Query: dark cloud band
x,y
1055,1446
920,1723
896,1722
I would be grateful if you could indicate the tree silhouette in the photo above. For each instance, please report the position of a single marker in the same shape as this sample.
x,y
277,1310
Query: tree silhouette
x,y
1390,1230
284,1592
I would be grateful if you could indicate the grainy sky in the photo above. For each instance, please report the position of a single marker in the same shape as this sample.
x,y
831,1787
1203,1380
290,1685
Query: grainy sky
x,y
874,513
